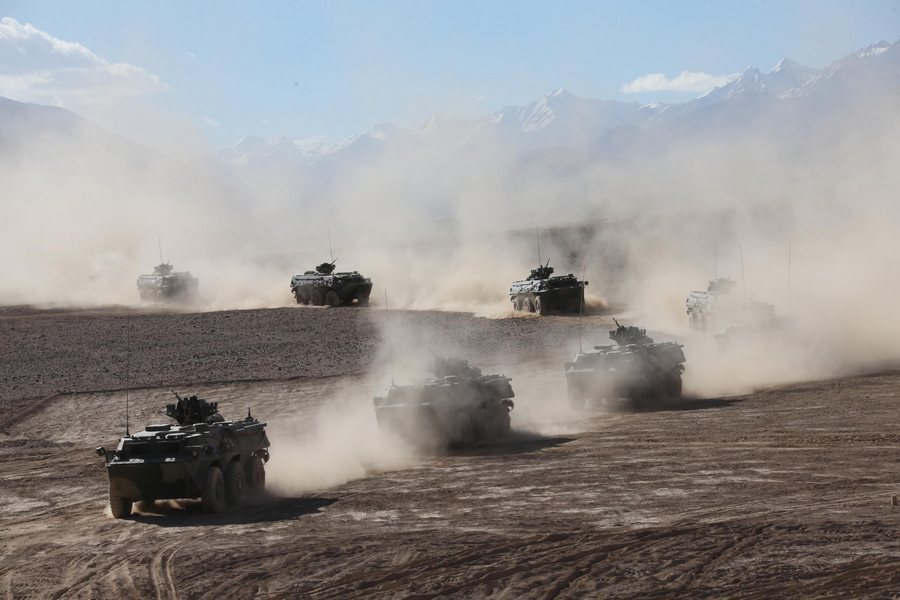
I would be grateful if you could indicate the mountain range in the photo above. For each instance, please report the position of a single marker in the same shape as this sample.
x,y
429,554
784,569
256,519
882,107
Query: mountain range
x,y
562,119
550,148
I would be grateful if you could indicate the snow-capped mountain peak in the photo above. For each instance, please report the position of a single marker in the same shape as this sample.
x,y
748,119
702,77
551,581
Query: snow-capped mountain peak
x,y
785,64
561,119
250,144
873,49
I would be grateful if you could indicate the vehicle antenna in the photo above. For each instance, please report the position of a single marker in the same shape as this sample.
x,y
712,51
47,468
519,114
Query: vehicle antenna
x,y
581,310
715,257
789,279
127,372
330,249
159,241
743,276
387,310
537,232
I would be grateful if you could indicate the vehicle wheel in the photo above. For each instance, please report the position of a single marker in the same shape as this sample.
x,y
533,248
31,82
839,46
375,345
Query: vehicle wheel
x,y
518,304
637,399
362,301
256,475
332,299
528,304
234,484
500,421
146,505
673,386
119,507
463,430
213,497
539,306
298,296
316,298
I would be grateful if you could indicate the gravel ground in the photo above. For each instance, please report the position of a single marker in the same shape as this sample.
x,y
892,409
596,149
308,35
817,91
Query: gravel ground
x,y
784,492
45,352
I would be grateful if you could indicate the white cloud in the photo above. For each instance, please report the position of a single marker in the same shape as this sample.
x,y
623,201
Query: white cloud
x,y
686,81
211,122
37,67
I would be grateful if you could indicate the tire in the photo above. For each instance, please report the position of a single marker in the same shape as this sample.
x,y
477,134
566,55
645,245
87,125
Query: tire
x,y
298,297
362,301
213,497
637,398
499,423
256,476
316,298
462,431
332,299
673,386
518,304
119,507
234,484
539,306
146,505
529,304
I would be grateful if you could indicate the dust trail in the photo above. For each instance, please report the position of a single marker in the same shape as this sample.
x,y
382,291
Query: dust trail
x,y
340,444
451,231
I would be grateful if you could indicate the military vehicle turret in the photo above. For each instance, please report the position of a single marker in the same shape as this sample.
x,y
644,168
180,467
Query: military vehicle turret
x,y
203,456
164,284
324,286
721,307
458,408
637,373
542,292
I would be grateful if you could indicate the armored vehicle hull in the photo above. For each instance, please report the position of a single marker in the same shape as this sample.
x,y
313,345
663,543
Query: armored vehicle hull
x,y
324,286
720,308
218,461
543,292
638,374
164,284
453,411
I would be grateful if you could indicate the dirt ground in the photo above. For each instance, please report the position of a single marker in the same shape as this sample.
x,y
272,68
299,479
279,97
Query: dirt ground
x,y
781,493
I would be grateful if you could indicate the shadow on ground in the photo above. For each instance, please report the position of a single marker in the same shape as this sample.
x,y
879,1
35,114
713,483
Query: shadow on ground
x,y
189,513
685,404
697,404
515,443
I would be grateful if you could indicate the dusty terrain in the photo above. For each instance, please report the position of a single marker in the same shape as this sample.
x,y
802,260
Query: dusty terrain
x,y
780,493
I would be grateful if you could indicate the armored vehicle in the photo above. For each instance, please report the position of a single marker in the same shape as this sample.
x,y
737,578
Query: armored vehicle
x,y
543,292
203,456
163,284
634,374
458,408
720,307
324,286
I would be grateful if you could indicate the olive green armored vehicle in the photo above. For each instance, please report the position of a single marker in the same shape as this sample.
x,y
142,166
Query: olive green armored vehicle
x,y
458,408
202,456
721,308
635,374
165,284
542,292
325,286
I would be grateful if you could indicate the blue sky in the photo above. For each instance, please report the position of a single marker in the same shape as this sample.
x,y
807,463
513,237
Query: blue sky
x,y
303,69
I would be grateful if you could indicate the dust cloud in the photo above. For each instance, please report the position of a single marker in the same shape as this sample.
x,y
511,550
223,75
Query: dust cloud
x,y
339,444
83,211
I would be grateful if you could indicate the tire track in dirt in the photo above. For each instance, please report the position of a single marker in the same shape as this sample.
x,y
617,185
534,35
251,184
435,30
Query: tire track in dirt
x,y
161,571
781,494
